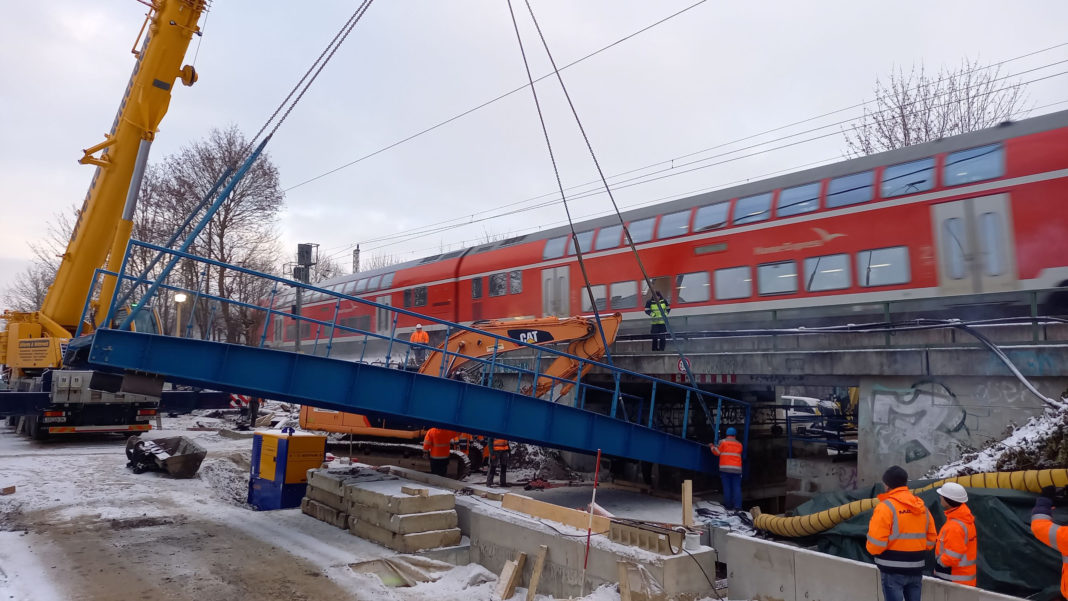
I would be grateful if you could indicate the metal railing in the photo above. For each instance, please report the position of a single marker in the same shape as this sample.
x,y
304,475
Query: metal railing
x,y
492,368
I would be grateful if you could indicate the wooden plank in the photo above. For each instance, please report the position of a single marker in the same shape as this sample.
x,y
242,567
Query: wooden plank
x,y
415,492
624,581
541,509
687,503
7,490
492,496
513,568
535,575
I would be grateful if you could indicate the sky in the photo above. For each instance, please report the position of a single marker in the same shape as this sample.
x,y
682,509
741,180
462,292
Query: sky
x,y
712,75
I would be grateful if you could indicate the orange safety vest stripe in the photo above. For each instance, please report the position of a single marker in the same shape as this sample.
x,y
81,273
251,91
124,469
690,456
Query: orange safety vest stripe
x,y
730,456
438,443
957,549
420,337
894,529
500,444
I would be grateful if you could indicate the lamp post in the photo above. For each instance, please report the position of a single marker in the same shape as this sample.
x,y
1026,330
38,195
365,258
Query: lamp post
x,y
179,298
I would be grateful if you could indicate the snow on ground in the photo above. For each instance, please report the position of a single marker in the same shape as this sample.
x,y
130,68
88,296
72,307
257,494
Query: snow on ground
x,y
1038,444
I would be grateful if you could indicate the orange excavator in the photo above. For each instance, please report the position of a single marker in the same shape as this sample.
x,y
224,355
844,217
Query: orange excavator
x,y
379,442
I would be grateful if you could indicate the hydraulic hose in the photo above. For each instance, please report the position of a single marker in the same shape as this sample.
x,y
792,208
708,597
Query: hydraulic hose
x,y
805,525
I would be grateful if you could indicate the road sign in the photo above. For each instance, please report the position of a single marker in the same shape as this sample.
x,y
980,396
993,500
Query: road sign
x,y
684,365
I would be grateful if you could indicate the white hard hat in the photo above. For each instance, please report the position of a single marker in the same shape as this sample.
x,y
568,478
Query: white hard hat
x,y
953,492
419,326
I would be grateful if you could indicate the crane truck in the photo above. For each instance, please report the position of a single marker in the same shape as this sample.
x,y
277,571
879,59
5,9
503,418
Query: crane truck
x,y
381,441
47,396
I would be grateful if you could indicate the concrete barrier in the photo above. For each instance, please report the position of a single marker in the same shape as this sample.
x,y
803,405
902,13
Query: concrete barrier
x,y
769,571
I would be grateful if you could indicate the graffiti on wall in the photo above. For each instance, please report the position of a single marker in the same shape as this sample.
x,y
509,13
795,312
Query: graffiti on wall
x,y
921,420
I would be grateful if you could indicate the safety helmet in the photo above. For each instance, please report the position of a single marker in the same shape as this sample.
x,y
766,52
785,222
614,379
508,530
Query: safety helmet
x,y
419,326
731,431
953,492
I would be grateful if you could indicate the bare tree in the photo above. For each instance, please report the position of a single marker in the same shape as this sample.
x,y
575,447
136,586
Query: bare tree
x,y
326,268
371,262
29,288
915,107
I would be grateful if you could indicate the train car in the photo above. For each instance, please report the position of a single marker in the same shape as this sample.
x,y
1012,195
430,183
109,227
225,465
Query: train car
x,y
966,218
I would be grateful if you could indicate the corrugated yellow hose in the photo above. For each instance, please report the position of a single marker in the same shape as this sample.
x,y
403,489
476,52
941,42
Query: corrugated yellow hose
x,y
804,525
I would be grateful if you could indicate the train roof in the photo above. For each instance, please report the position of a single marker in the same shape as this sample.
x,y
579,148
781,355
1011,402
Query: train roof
x,y
1004,131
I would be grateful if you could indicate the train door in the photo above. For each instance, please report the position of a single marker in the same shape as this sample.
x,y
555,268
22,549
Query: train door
x,y
975,245
555,292
383,317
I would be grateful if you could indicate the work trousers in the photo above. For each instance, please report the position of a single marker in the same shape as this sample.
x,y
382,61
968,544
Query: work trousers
x,y
418,355
500,457
732,490
901,587
439,467
659,338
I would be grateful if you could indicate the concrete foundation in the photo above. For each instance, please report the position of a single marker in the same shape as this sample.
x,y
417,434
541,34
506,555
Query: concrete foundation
x,y
405,543
765,570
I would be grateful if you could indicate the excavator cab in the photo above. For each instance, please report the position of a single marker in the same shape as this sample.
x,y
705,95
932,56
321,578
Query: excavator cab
x,y
146,320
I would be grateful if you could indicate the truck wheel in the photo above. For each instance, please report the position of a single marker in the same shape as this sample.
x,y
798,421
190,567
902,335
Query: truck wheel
x,y
34,428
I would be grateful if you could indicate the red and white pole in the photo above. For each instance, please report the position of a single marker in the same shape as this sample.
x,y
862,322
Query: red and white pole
x,y
589,526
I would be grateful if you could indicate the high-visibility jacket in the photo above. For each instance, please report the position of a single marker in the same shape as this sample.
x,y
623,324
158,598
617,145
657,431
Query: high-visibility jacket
x,y
500,445
1053,535
957,547
657,309
437,442
730,455
420,337
901,532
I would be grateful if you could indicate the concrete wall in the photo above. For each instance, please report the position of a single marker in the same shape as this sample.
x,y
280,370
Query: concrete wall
x,y
768,571
808,476
922,422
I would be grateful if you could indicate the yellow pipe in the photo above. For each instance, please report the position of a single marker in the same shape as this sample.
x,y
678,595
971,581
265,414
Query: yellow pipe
x,y
805,525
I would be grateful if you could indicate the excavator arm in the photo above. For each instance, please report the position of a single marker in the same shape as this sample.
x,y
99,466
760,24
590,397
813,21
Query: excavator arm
x,y
579,333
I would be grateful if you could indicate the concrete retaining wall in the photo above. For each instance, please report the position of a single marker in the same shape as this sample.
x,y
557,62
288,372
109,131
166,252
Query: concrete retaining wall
x,y
767,571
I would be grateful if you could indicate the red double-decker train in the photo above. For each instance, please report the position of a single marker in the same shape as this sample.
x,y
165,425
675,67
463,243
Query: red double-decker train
x,y
972,217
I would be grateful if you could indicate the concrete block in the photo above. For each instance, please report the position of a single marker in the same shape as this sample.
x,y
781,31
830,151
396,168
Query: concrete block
x,y
324,513
334,481
386,495
404,523
854,579
760,570
405,543
327,498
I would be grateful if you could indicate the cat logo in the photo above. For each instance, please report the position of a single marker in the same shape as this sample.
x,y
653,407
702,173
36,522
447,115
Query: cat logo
x,y
530,336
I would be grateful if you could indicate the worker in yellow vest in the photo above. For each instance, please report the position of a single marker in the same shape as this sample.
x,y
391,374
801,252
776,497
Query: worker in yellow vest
x,y
500,452
657,309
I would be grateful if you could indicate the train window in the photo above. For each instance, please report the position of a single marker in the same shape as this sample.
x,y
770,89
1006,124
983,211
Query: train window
x,y
608,237
387,280
733,282
710,217
908,178
692,287
515,282
797,200
777,278
498,284
361,286
585,242
830,272
991,229
752,208
883,266
419,296
642,231
624,295
374,283
476,288
953,247
974,165
407,298
554,248
851,189
599,297
673,224
358,322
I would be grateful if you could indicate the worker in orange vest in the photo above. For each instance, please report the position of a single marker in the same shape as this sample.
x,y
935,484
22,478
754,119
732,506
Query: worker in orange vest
x,y
900,534
438,445
499,453
419,337
1051,534
958,544
729,452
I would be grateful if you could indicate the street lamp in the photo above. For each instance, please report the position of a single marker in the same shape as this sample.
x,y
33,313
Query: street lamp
x,y
179,298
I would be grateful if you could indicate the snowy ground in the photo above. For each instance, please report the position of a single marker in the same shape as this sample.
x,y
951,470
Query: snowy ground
x,y
81,525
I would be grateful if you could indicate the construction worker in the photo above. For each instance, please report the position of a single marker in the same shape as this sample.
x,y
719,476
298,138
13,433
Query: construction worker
x,y
729,452
900,534
419,337
957,546
657,308
1045,530
438,445
499,453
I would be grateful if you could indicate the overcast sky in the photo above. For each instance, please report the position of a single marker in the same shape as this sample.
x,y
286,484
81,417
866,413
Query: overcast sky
x,y
714,74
